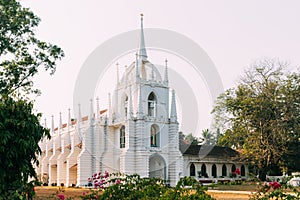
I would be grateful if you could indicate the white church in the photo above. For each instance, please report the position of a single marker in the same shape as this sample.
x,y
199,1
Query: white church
x,y
138,133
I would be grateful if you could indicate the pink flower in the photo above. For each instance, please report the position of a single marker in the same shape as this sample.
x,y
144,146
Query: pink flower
x,y
118,181
237,171
61,196
95,175
275,185
106,174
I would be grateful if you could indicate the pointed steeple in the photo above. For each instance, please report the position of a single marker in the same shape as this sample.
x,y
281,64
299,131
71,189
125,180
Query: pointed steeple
x,y
69,122
98,108
60,121
45,122
52,123
91,110
140,111
166,78
173,116
110,112
142,47
69,117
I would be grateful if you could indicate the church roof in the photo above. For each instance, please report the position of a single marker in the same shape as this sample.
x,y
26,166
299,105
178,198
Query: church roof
x,y
207,150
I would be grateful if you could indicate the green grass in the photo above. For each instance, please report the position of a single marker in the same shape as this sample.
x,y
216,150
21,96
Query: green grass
x,y
245,186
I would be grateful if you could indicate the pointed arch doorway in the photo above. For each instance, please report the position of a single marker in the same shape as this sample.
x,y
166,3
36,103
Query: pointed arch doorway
x,y
157,166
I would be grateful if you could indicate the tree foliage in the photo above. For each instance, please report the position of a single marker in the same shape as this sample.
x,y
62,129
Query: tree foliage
x,y
20,133
21,57
261,116
21,53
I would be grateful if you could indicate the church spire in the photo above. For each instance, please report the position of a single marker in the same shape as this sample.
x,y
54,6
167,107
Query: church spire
x,y
166,78
52,123
60,121
142,47
98,108
110,112
69,117
173,116
118,78
91,110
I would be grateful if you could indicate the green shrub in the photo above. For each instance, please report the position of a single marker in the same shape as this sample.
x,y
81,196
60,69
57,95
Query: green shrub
x,y
120,186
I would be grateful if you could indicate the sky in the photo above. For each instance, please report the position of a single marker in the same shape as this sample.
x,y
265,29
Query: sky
x,y
233,33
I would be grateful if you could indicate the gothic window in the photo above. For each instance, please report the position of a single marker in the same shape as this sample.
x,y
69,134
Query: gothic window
x,y
151,105
122,137
224,170
192,170
233,168
203,171
154,136
243,171
126,106
214,171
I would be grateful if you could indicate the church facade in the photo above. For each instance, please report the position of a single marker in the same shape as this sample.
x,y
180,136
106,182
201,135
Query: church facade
x,y
138,133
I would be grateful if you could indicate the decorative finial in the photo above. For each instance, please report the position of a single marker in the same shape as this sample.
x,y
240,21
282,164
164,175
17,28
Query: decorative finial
x,y
98,108
166,78
173,116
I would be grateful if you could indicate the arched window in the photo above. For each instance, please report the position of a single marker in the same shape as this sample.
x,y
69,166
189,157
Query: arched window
x,y
126,106
224,170
203,171
154,136
151,105
243,170
122,137
192,170
214,171
233,168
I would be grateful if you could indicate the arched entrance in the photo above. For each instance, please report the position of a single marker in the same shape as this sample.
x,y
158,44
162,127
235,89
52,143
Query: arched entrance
x,y
157,166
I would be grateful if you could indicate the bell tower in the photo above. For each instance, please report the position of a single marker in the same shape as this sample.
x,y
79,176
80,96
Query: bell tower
x,y
148,141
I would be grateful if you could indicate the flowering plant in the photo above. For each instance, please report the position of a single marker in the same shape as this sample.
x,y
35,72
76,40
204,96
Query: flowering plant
x,y
275,190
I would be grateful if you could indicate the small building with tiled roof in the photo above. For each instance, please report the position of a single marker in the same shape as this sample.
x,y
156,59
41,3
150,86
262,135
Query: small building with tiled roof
x,y
211,162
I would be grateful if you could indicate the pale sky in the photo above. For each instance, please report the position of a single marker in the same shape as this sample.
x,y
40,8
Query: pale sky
x,y
233,33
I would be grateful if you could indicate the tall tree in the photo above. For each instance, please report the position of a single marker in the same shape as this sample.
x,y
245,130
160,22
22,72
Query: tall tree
x,y
21,57
261,115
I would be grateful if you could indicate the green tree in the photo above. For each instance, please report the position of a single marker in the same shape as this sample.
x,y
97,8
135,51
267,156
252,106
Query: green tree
x,y
192,139
261,116
21,57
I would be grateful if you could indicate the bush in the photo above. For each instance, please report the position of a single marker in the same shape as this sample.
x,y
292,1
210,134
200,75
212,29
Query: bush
x,y
274,190
120,186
